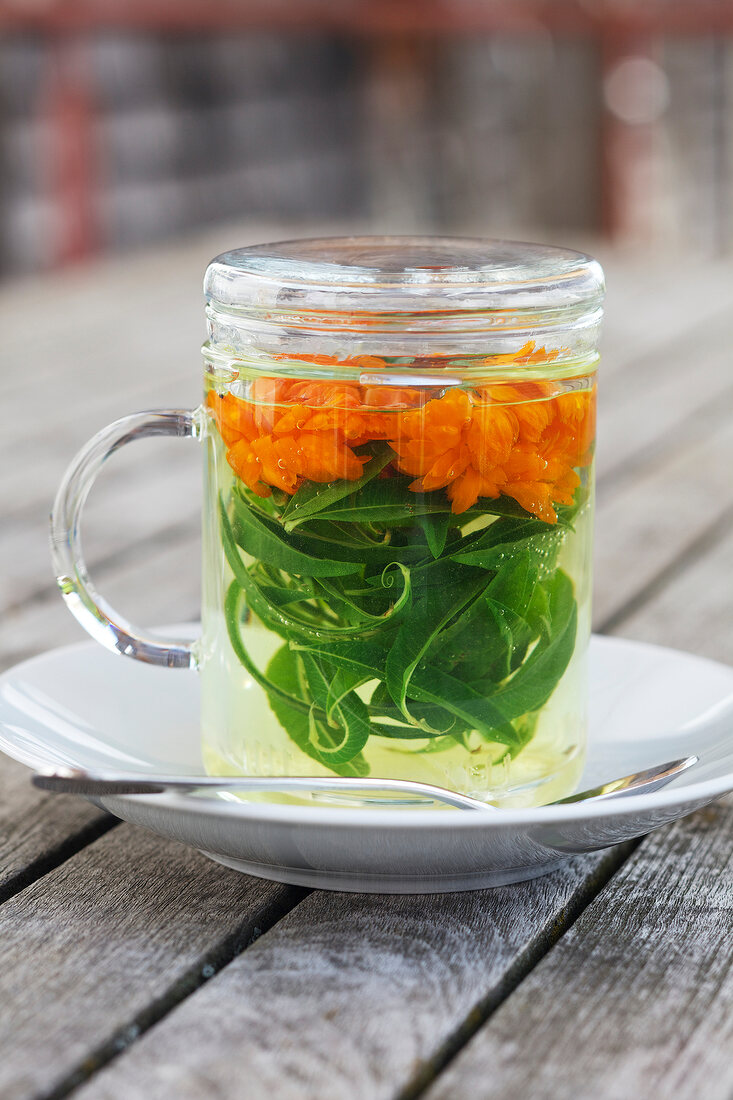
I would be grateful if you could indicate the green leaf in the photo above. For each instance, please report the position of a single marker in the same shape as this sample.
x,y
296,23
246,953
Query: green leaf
x,y
478,643
510,596
341,594
413,733
538,613
435,527
244,586
476,709
343,681
280,597
443,573
386,501
428,617
428,685
347,731
566,513
284,623
505,538
321,541
536,679
315,737
312,497
507,506
276,591
513,587
234,609
426,718
266,540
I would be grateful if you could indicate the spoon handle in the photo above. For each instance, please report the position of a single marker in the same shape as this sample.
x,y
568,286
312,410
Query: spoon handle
x,y
78,781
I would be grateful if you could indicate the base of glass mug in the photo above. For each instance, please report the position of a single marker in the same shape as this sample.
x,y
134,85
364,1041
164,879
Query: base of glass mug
x,y
537,792
547,788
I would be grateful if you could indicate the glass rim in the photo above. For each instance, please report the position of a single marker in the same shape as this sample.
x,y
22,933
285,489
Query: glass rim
x,y
443,298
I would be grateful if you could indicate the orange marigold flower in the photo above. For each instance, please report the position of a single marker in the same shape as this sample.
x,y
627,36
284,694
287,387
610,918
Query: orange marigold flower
x,y
525,440
526,450
273,444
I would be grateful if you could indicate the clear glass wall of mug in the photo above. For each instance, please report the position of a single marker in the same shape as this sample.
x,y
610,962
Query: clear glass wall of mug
x,y
399,438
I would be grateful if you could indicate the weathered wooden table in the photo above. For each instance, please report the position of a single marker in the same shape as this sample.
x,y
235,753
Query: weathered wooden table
x,y
133,967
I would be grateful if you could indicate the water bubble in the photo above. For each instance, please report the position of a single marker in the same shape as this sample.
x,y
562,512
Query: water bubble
x,y
281,464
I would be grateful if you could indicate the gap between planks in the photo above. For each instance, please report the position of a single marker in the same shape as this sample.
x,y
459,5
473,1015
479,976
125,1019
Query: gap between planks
x,y
199,973
96,952
684,559
162,1051
636,1000
401,980
470,1022
54,856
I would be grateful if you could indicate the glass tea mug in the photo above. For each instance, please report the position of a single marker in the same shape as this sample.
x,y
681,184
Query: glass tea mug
x,y
399,438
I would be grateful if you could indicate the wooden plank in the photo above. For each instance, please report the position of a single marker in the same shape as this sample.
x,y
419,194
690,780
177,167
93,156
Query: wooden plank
x,y
97,950
692,606
39,831
138,583
650,303
630,1034
636,999
352,995
655,518
648,401
449,939
140,314
154,498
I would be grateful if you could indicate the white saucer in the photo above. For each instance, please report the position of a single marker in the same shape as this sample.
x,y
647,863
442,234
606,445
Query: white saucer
x,y
85,707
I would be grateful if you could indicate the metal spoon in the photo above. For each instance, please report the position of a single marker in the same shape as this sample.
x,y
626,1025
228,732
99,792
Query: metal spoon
x,y
79,781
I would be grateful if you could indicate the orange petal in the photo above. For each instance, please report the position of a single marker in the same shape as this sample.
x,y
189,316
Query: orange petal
x,y
491,436
534,497
247,467
275,469
295,418
524,464
533,418
447,468
464,491
324,458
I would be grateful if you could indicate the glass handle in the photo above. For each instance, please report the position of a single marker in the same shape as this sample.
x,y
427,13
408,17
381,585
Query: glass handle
x,y
82,599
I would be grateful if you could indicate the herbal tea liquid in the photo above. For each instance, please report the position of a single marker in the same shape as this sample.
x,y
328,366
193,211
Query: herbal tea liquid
x,y
490,603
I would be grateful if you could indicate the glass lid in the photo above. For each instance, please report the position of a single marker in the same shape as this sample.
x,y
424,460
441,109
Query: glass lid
x,y
403,297
400,274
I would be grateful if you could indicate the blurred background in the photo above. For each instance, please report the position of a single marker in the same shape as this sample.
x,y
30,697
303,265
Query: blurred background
x,y
138,138
125,122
